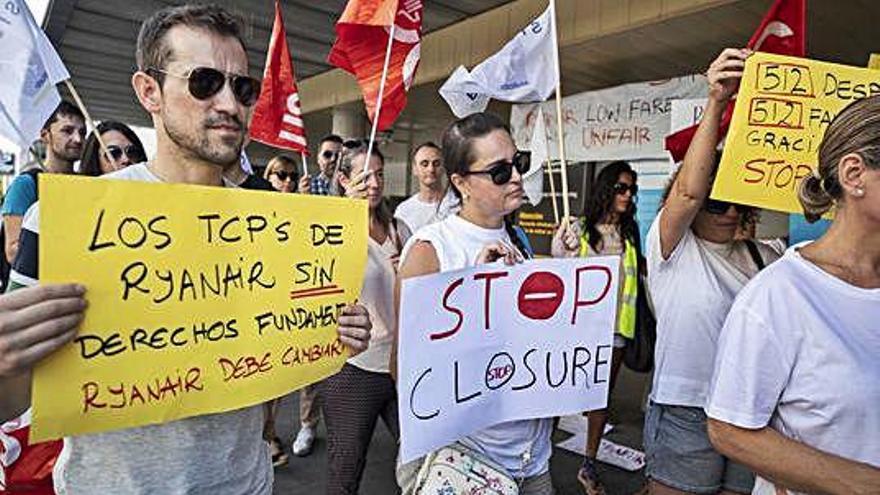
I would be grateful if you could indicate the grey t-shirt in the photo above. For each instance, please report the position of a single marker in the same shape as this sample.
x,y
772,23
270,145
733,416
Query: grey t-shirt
x,y
216,454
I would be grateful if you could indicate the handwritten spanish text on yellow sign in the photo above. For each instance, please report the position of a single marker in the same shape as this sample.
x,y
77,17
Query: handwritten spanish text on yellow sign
x,y
201,299
783,109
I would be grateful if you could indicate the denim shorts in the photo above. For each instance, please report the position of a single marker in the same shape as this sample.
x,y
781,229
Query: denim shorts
x,y
678,453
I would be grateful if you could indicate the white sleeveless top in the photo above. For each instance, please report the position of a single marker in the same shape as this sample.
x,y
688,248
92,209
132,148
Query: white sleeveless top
x,y
523,447
377,295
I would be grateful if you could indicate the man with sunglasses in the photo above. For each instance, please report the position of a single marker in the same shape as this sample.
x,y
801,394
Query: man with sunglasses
x,y
63,135
193,81
329,152
431,204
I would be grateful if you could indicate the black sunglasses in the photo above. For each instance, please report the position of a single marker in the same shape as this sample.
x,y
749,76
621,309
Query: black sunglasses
x,y
329,154
502,170
115,152
205,82
622,188
283,175
716,207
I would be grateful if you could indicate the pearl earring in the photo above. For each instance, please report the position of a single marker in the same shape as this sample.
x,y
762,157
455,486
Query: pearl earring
x,y
860,192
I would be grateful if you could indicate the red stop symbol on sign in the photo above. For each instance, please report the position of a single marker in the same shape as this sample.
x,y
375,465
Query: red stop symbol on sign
x,y
540,295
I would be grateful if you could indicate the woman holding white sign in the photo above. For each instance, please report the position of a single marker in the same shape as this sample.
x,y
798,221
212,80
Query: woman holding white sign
x,y
363,391
485,173
609,228
695,270
795,392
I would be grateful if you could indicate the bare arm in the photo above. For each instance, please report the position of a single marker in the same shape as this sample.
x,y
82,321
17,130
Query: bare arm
x,y
34,323
12,227
421,260
693,183
792,464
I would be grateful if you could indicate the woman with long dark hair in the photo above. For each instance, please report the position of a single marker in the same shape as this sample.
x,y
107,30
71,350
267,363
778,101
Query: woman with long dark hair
x,y
123,149
609,228
485,172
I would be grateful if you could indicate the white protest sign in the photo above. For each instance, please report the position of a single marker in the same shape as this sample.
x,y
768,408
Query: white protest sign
x,y
685,113
626,122
495,343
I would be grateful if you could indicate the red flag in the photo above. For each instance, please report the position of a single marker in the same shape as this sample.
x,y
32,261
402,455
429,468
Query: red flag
x,y
361,41
26,467
783,31
277,117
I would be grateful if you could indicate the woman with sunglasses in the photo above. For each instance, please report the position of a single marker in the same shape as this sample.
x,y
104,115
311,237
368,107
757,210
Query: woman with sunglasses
x,y
363,391
695,270
281,172
485,172
609,228
123,149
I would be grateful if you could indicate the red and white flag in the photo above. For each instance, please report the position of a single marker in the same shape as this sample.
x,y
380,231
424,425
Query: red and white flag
x,y
277,119
362,37
783,31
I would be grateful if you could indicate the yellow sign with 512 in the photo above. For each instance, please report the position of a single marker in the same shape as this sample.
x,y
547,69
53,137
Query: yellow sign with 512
x,y
783,109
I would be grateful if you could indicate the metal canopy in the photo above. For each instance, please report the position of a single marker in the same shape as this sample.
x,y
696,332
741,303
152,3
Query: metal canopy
x,y
96,40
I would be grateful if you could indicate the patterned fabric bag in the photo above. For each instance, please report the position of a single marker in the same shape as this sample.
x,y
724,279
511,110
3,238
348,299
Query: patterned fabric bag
x,y
457,470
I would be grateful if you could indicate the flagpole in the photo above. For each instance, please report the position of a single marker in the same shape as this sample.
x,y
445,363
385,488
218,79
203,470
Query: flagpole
x,y
560,134
379,99
88,117
553,192
302,154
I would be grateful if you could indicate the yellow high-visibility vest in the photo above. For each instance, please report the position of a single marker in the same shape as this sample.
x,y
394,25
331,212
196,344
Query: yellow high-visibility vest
x,y
626,306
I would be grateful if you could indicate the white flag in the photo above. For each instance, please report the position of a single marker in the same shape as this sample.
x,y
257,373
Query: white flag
x,y
523,71
31,68
533,180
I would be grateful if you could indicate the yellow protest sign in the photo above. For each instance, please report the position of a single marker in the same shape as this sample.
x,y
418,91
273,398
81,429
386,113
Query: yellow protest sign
x,y
874,61
783,109
201,299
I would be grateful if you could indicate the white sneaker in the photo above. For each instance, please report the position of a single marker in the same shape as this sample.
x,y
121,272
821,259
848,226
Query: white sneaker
x,y
302,445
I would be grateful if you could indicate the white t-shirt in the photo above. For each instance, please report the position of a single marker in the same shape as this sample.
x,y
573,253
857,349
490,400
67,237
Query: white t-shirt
x,y
692,292
799,352
415,213
213,454
458,243
377,295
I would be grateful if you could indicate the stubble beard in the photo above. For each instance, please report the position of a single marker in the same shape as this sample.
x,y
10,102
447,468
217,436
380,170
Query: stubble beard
x,y
66,154
224,154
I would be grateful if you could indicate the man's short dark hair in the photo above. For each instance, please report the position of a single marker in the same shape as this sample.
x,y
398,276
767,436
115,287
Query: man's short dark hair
x,y
152,50
330,138
426,144
64,109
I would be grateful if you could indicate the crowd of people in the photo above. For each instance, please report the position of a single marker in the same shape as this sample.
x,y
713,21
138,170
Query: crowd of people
x,y
766,378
